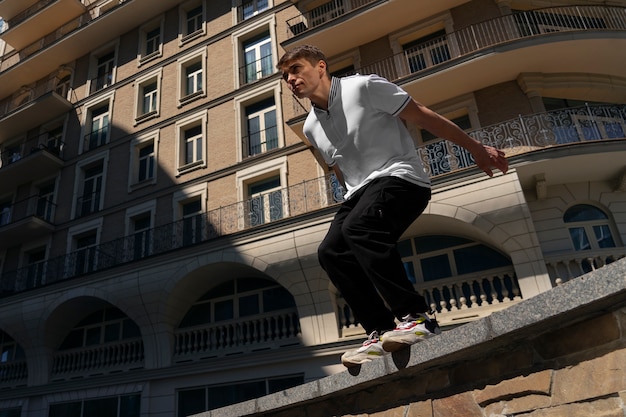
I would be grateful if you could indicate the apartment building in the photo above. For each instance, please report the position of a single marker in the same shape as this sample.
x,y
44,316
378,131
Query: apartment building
x,y
160,215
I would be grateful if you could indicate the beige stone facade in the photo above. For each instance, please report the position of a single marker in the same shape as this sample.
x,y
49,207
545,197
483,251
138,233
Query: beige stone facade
x,y
160,215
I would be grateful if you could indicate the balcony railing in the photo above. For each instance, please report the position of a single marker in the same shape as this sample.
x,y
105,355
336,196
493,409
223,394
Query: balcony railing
x,y
255,70
322,14
36,206
456,299
13,372
46,142
94,11
260,142
466,41
28,95
95,139
25,14
564,267
105,358
265,331
244,215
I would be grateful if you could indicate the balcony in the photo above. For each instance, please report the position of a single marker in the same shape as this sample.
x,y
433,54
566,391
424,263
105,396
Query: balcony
x,y
320,25
26,220
100,23
36,21
31,107
34,159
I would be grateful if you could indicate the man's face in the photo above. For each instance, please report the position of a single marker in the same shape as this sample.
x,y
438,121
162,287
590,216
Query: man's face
x,y
303,77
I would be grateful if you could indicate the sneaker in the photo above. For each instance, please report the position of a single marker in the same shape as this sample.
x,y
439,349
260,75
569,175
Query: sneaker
x,y
372,348
411,330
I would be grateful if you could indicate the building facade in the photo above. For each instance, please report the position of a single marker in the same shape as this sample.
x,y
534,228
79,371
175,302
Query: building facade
x,y
160,215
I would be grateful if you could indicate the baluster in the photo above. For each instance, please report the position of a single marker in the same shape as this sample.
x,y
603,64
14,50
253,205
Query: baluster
x,y
464,305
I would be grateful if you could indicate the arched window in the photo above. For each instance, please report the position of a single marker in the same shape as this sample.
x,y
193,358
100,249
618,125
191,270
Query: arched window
x,y
429,258
239,298
589,227
9,350
108,325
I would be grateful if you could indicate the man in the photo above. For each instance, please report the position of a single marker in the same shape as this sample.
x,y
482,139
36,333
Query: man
x,y
356,127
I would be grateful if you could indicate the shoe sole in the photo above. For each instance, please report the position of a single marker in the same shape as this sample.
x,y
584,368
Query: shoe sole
x,y
399,344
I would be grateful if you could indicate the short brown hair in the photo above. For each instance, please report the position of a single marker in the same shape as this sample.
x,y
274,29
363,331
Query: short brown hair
x,y
309,52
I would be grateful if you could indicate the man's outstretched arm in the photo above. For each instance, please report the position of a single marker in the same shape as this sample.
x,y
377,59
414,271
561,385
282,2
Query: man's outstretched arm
x,y
486,157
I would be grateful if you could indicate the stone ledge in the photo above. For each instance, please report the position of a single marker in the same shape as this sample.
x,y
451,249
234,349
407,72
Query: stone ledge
x,y
579,299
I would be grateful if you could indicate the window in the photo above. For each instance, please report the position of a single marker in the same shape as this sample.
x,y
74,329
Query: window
x,y
10,412
90,198
104,69
35,267
107,325
191,149
150,41
257,53
11,153
5,212
265,202
427,51
192,85
192,221
9,350
146,162
97,126
54,140
589,227
193,78
143,152
142,236
236,299
250,8
261,128
85,256
149,104
192,20
45,202
122,406
62,87
197,400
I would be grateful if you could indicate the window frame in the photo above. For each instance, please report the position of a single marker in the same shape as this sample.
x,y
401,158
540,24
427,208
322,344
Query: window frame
x,y
143,55
589,225
79,177
239,38
92,83
182,127
136,145
87,122
183,10
183,64
153,78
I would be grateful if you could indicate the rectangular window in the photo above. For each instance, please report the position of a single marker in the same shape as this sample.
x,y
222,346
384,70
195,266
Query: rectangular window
x,y
98,128
104,72
35,261
142,236
89,201
257,58
193,145
251,8
266,201
150,95
122,406
85,255
193,77
427,51
146,162
193,20
45,202
192,222
153,41
261,128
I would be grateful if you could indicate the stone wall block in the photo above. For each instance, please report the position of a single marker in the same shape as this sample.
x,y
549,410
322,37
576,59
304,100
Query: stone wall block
x,y
459,405
536,383
494,366
595,378
519,405
609,407
591,333
420,409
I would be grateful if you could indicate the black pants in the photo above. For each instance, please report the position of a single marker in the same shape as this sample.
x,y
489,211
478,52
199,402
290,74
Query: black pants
x,y
360,256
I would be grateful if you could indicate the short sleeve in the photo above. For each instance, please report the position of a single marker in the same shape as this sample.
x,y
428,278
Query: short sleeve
x,y
385,96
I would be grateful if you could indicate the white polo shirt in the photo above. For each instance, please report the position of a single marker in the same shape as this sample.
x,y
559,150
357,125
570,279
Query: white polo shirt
x,y
362,133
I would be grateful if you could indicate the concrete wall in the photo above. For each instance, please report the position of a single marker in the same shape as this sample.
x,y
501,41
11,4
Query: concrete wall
x,y
561,353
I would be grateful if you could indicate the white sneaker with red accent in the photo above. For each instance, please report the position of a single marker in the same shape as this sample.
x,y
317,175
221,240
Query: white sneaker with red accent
x,y
411,330
372,349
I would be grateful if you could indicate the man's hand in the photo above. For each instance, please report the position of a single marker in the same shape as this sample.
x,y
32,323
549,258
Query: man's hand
x,y
488,157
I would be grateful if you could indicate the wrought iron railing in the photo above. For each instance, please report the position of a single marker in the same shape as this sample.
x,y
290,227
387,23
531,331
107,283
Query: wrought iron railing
x,y
27,13
93,12
24,96
264,331
47,142
95,139
41,207
322,14
256,70
287,202
260,142
466,41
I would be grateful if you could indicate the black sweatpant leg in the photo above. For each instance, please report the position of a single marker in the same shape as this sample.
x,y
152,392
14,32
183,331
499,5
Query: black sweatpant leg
x,y
360,256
